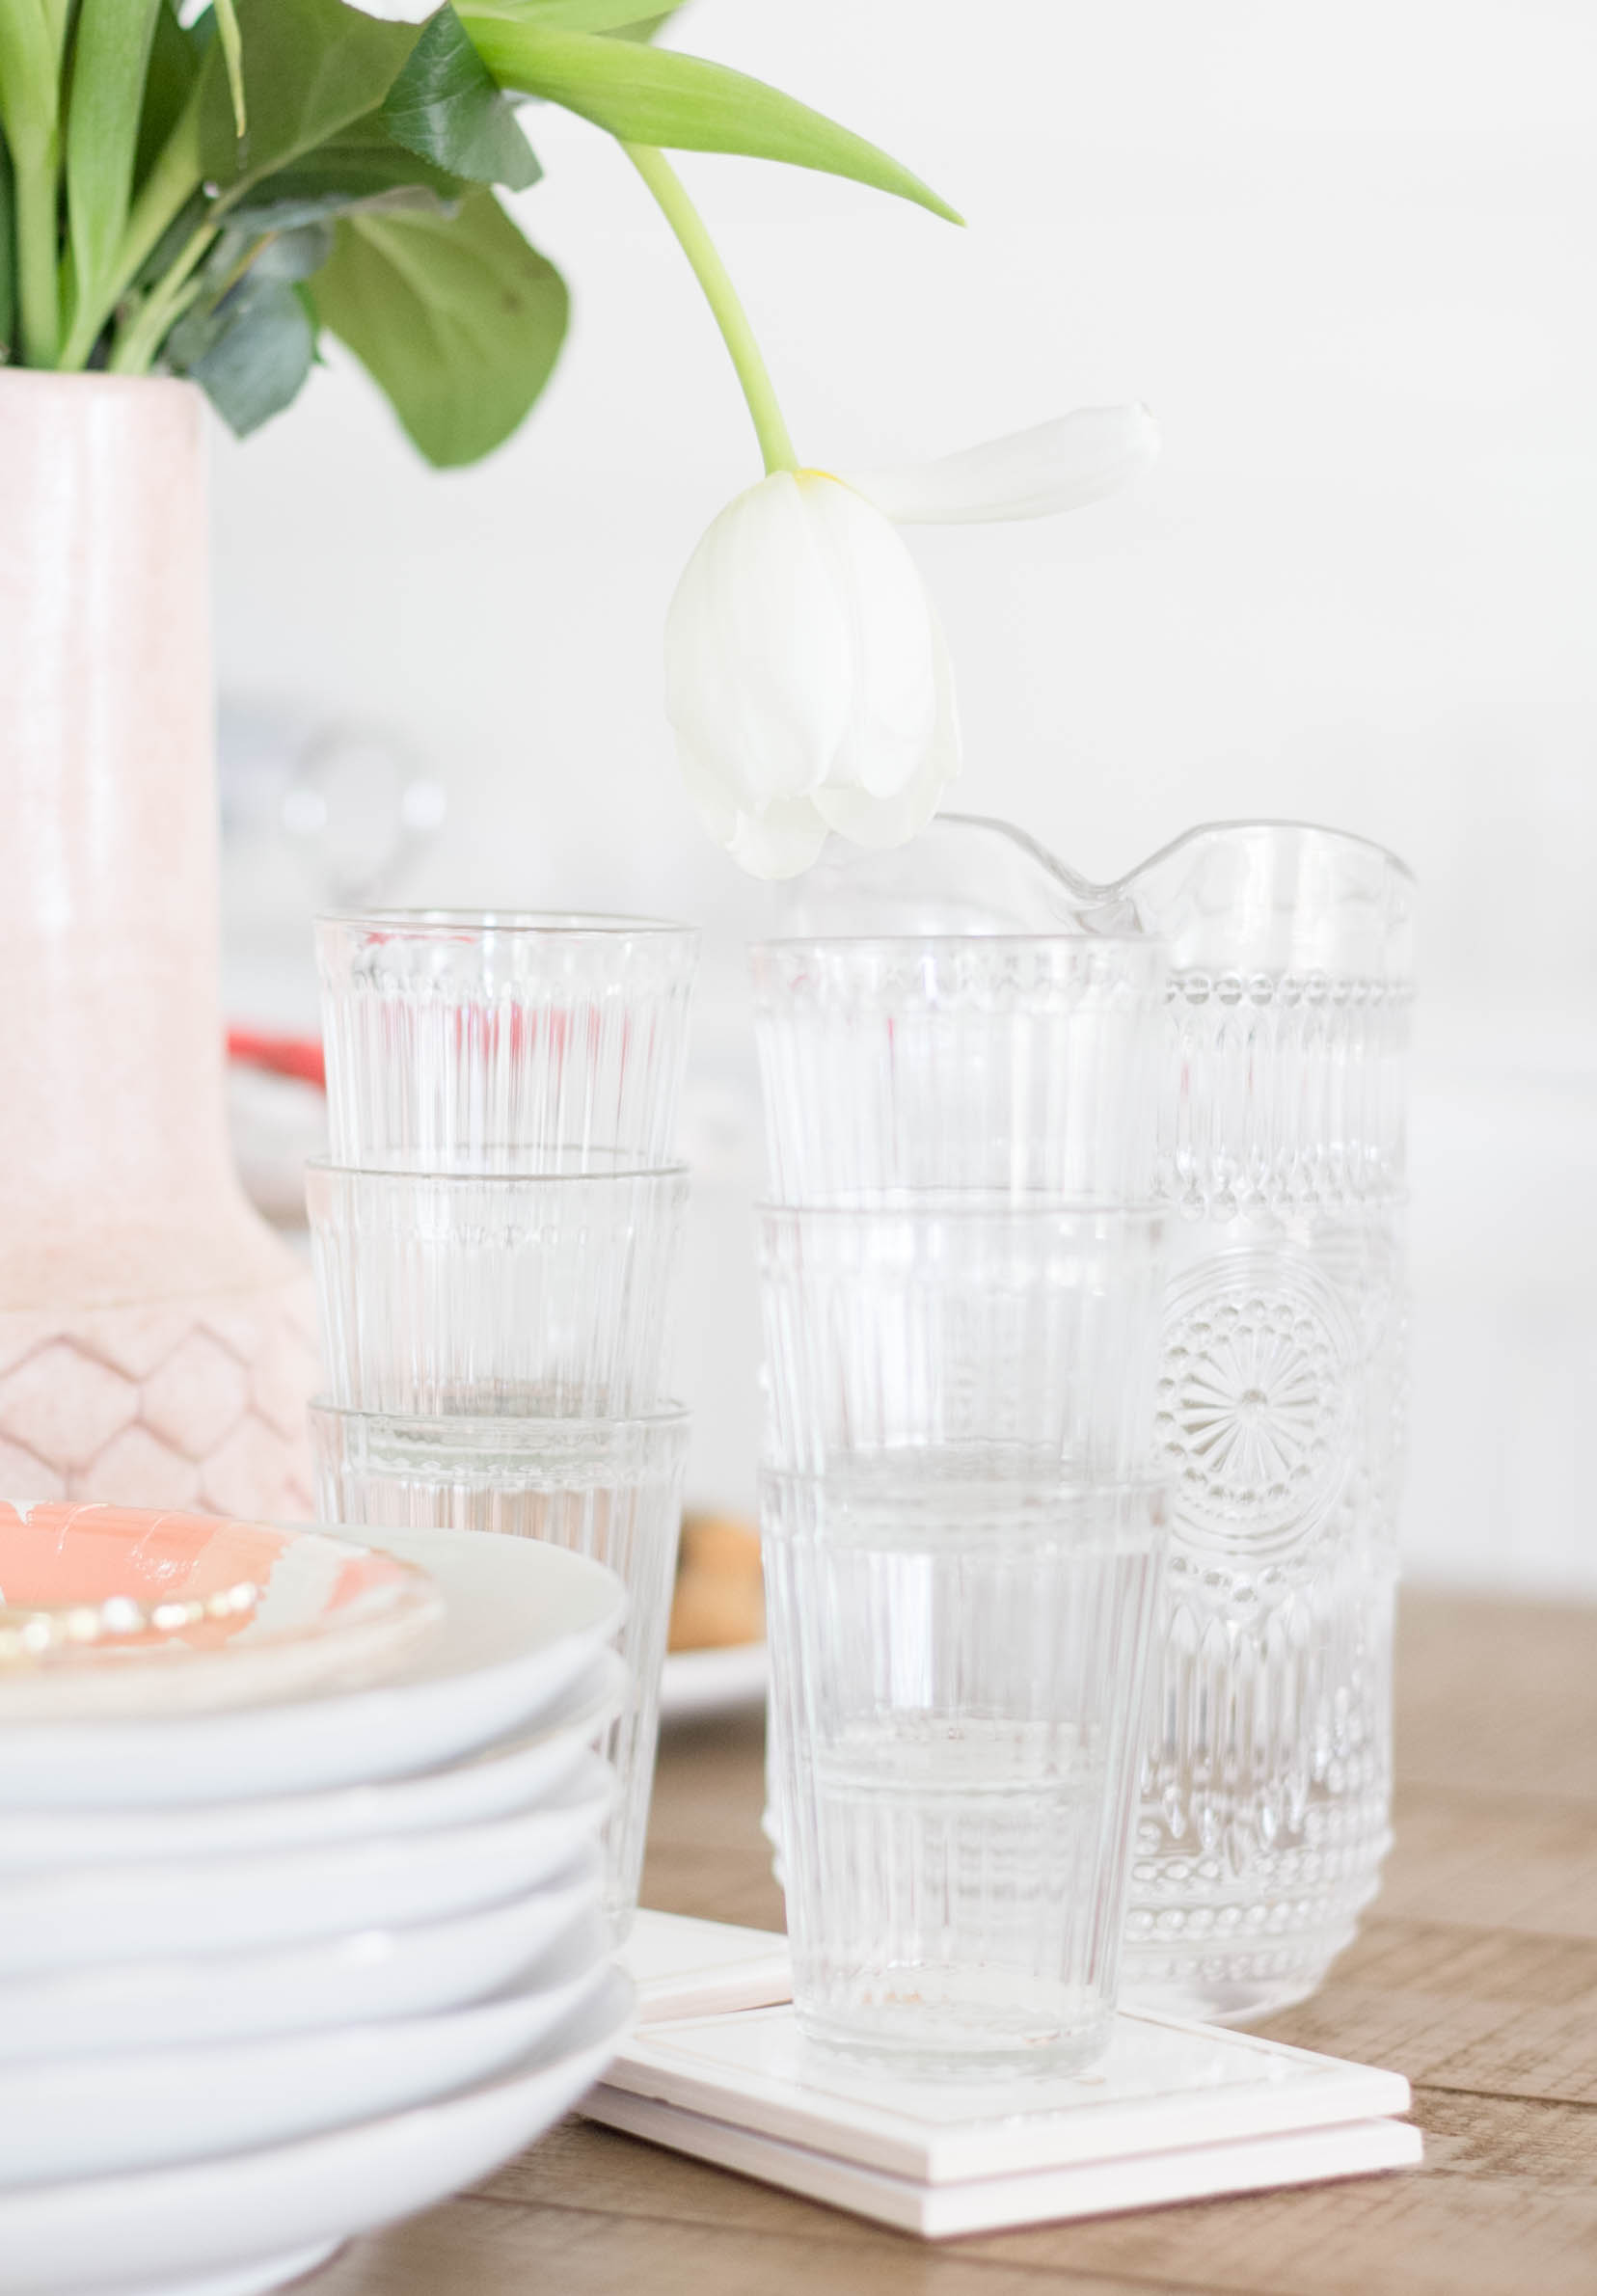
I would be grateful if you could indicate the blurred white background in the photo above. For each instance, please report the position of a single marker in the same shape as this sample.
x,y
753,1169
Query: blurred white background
x,y
1346,257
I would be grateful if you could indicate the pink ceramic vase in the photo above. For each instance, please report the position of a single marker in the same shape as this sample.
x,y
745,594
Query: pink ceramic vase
x,y
154,1334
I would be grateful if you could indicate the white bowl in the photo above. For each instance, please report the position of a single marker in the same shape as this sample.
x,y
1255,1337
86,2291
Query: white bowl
x,y
520,1622
416,1971
91,1915
514,1775
107,2116
246,2223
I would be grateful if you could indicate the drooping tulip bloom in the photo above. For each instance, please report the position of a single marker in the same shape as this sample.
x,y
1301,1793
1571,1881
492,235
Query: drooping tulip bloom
x,y
806,677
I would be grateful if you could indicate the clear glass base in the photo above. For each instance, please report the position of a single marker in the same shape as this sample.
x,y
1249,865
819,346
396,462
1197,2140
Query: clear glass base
x,y
1220,2003
1229,1957
965,2024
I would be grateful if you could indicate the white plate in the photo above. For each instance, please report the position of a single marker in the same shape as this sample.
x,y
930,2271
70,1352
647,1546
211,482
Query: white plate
x,y
150,1612
92,1915
108,2115
696,1683
520,1622
517,1774
181,2230
412,1972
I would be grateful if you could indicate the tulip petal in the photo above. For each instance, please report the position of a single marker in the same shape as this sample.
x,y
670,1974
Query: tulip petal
x,y
782,841
1059,465
757,649
888,615
894,819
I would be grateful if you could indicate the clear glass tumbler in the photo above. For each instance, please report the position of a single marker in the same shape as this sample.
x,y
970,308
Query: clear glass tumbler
x,y
611,1489
957,1660
463,1041
1011,1064
496,1293
961,1552
1028,1333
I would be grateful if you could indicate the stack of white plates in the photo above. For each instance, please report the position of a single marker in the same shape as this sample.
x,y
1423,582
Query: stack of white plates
x,y
300,1887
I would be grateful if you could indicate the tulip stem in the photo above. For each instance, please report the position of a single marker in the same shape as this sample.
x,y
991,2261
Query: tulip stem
x,y
722,295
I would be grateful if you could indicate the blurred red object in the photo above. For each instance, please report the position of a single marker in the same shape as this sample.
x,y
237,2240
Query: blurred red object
x,y
283,1056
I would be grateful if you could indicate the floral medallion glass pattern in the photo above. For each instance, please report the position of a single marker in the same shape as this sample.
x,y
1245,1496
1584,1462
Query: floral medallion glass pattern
x,y
1267,1771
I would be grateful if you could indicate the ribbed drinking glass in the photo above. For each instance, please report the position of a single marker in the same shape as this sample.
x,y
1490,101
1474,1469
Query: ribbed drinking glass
x,y
1011,1064
499,1292
962,1554
1029,1332
610,1489
465,1041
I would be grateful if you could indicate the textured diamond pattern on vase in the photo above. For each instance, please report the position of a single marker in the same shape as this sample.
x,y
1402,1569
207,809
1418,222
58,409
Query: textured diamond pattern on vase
x,y
200,1403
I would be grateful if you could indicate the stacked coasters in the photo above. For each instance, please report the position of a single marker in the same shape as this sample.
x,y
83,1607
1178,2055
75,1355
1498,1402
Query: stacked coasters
x,y
1173,2111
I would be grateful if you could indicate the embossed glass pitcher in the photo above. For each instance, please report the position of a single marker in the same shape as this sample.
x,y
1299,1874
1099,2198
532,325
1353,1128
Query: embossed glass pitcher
x,y
1268,1768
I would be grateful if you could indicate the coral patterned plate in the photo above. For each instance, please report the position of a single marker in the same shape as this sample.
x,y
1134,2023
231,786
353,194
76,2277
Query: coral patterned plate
x,y
108,1611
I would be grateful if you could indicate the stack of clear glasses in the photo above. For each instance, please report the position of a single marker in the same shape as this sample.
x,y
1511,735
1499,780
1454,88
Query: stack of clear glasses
x,y
496,1234
961,1280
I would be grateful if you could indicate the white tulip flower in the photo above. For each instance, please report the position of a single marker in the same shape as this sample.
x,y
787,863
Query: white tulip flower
x,y
806,677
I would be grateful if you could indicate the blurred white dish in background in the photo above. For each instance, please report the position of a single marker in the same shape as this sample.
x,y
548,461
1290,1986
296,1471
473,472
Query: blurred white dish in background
x,y
197,2230
504,1778
521,1620
111,1611
91,1916
695,1685
276,1125
412,1971
106,2116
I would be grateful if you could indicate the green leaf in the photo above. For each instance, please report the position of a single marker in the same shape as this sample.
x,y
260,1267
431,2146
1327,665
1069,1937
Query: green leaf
x,y
653,95
258,357
312,68
447,106
8,257
114,39
240,263
238,338
172,67
168,247
362,163
233,56
455,317
31,40
572,16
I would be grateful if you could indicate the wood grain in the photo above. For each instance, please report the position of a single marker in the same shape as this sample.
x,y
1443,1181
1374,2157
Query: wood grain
x,y
1476,1976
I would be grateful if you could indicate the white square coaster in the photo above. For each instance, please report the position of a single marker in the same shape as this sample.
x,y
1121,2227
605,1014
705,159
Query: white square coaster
x,y
1036,2195
686,1968
1162,2087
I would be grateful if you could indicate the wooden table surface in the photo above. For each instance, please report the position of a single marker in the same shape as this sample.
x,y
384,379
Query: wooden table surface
x,y
1476,1976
